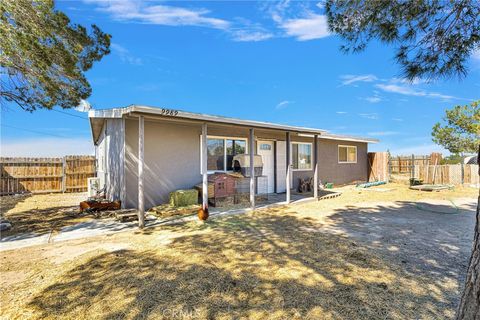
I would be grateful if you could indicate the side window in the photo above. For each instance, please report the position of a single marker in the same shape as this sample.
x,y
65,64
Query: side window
x,y
347,154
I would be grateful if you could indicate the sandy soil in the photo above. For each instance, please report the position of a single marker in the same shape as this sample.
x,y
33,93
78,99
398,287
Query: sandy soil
x,y
365,255
41,213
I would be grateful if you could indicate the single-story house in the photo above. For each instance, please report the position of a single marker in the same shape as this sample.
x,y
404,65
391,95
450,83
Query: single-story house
x,y
143,153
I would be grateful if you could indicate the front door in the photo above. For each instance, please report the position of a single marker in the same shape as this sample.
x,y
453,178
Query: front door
x,y
266,150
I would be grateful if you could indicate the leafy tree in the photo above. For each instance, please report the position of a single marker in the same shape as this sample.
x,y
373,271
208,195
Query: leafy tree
x,y
452,159
43,56
434,38
461,131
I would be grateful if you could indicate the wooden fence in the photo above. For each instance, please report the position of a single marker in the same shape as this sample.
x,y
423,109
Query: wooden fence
x,y
377,166
42,175
404,164
448,174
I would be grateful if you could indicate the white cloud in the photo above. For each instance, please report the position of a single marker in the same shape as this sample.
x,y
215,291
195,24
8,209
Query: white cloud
x,y
125,55
47,147
159,14
341,112
409,91
299,19
383,133
283,104
277,10
250,36
321,4
350,78
396,85
313,26
415,81
397,119
371,116
374,99
129,10
476,54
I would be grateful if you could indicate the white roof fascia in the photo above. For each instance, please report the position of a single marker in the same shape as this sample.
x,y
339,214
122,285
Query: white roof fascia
x,y
347,138
119,112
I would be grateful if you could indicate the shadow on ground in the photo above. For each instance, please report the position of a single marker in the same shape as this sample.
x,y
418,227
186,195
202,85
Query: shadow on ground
x,y
42,221
270,264
9,202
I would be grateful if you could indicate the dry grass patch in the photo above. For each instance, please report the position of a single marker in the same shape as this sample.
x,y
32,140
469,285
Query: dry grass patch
x,y
267,264
391,192
41,213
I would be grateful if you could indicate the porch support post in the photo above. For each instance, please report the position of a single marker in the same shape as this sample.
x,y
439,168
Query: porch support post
x,y
289,168
315,166
204,156
251,145
141,198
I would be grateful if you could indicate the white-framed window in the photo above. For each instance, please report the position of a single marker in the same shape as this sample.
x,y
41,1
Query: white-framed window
x,y
301,156
221,150
347,154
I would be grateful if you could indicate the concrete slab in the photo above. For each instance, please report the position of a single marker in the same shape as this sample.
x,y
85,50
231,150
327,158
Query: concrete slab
x,y
23,240
91,229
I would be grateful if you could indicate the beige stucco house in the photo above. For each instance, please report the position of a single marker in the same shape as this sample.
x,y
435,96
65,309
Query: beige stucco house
x,y
144,153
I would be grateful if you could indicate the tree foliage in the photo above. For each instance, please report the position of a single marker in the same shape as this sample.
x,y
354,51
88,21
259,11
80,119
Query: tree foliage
x,y
43,55
434,38
461,131
452,159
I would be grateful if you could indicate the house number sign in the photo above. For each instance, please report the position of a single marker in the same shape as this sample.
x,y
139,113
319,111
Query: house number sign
x,y
169,112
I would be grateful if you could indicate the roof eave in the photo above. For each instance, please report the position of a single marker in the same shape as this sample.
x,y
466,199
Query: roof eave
x,y
121,112
348,138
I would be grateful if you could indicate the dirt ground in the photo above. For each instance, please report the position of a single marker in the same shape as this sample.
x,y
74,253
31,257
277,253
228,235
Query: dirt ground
x,y
41,213
365,255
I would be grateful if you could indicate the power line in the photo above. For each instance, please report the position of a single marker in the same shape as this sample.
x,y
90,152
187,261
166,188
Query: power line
x,y
69,114
59,111
34,131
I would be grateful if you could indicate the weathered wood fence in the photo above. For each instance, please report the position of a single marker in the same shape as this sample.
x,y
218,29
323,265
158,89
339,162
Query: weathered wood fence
x,y
404,164
42,175
377,166
448,174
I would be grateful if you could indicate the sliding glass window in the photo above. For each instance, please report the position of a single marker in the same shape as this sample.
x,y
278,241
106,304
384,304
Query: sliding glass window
x,y
221,152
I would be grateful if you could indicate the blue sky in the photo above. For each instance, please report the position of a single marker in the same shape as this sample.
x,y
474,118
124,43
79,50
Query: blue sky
x,y
262,61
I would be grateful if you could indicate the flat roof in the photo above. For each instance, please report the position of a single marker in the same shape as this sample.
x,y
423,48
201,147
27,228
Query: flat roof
x,y
165,113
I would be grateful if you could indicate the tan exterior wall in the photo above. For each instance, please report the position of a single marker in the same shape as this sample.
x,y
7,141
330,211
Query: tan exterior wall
x,y
329,170
172,159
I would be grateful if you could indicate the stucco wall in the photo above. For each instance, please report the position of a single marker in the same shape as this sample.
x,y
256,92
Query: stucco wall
x,y
100,156
172,160
114,175
329,170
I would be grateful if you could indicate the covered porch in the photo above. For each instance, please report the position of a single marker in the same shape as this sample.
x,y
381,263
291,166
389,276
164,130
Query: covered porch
x,y
273,142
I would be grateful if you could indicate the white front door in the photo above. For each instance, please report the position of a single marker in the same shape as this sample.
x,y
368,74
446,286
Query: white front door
x,y
266,150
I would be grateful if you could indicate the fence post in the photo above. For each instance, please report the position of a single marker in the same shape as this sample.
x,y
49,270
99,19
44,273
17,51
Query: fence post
x,y
389,165
413,166
462,171
64,176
